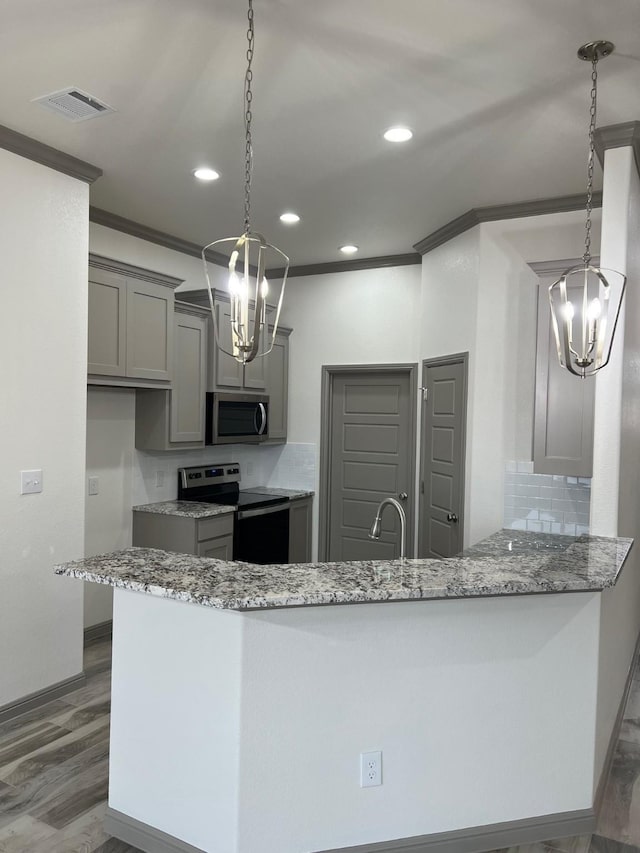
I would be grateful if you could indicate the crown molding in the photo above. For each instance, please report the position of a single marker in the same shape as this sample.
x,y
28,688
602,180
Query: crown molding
x,y
348,266
132,271
31,149
152,235
618,136
538,207
542,268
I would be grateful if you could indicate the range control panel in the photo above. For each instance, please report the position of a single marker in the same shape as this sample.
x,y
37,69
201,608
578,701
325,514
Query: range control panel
x,y
209,475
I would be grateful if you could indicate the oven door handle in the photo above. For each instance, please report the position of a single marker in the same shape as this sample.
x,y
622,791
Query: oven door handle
x,y
263,413
265,510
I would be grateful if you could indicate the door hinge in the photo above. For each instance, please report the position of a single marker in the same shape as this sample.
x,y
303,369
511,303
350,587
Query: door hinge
x,y
422,487
425,393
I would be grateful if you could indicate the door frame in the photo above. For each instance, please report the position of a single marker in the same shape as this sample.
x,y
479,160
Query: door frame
x,y
455,358
329,373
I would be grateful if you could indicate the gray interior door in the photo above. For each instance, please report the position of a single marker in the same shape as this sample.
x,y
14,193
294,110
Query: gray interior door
x,y
371,456
443,449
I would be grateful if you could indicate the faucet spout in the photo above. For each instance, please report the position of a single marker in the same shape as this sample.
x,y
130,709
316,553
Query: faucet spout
x,y
376,527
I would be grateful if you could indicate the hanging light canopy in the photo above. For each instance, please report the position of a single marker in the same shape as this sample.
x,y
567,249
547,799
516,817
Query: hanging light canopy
x,y
252,331
586,300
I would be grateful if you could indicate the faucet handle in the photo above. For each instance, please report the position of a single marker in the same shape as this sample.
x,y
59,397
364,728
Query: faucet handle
x,y
403,496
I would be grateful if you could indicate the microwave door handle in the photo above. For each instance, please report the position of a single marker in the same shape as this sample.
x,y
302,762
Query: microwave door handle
x,y
263,412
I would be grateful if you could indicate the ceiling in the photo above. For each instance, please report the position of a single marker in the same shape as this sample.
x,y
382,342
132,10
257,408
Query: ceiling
x,y
493,91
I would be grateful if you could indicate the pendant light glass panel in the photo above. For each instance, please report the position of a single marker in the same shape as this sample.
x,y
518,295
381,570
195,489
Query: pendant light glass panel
x,y
585,306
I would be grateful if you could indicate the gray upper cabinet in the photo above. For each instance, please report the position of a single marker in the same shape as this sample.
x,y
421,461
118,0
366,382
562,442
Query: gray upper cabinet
x,y
131,329
225,373
107,323
564,404
165,419
189,374
277,387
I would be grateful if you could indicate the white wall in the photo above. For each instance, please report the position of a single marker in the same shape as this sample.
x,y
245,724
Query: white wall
x,y
479,295
615,500
110,457
262,717
363,317
43,337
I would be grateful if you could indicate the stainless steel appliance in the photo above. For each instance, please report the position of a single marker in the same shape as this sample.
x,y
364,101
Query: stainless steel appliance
x,y
236,418
261,522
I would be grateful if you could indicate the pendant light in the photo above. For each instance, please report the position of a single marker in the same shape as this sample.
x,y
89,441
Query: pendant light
x,y
252,331
586,300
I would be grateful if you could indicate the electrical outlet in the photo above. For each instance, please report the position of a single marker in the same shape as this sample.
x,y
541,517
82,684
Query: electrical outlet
x,y
159,479
31,482
94,486
370,769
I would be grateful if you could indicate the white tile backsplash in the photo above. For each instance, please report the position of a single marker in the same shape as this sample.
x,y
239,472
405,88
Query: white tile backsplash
x,y
547,503
289,466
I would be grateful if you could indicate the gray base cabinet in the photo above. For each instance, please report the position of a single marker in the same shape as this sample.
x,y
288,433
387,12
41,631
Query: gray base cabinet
x,y
300,530
130,331
166,420
204,537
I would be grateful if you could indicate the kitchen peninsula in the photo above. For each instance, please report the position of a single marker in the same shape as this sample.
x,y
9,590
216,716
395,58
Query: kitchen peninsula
x,y
240,707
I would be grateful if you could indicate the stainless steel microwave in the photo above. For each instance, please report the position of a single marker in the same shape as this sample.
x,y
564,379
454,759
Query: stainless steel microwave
x,y
237,418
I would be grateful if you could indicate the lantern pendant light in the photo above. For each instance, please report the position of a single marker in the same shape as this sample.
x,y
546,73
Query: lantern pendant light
x,y
586,300
252,331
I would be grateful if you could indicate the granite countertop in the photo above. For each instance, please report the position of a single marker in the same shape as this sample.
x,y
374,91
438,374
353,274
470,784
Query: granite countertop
x,y
195,509
507,563
185,509
292,494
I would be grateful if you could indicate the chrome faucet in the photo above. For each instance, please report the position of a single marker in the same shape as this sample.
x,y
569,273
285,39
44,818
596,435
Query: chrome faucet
x,y
376,527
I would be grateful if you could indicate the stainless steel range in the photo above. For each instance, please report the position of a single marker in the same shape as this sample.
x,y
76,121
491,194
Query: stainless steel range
x,y
261,521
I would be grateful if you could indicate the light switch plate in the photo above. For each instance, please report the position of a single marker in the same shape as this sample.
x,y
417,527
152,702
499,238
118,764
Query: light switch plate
x,y
94,486
31,482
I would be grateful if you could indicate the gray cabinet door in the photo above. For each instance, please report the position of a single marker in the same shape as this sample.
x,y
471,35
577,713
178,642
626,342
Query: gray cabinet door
x,y
227,371
149,330
189,378
107,323
564,404
278,387
255,373
300,530
218,549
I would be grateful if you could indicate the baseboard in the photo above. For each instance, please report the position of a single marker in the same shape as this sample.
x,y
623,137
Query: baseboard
x,y
477,839
615,733
95,633
41,697
144,837
473,840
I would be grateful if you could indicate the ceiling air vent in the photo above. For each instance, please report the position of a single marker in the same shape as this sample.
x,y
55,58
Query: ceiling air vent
x,y
74,104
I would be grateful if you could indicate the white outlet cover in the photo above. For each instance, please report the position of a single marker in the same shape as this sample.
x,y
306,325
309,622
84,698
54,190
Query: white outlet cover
x,y
94,486
370,769
31,482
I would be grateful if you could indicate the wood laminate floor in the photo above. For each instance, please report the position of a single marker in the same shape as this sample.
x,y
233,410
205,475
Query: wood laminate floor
x,y
54,772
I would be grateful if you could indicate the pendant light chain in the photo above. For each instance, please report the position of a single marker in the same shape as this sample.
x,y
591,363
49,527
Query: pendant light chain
x,y
592,129
248,97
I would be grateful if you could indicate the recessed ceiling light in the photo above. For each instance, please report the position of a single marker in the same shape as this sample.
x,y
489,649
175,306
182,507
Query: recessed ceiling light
x,y
290,218
398,134
204,173
349,250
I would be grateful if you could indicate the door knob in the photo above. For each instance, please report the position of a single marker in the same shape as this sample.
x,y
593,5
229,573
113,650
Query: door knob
x,y
452,517
403,496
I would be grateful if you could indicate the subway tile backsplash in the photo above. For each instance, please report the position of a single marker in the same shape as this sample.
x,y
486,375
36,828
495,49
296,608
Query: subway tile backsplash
x,y
545,503
290,466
